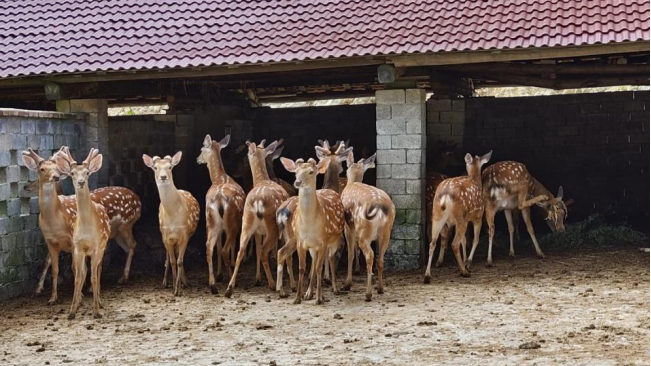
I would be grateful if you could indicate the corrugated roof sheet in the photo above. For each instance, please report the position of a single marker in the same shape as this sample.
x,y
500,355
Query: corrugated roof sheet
x,y
67,36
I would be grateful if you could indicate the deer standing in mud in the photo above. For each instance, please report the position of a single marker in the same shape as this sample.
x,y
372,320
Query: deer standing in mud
x,y
457,202
57,214
318,224
178,216
508,186
259,215
224,206
369,214
91,228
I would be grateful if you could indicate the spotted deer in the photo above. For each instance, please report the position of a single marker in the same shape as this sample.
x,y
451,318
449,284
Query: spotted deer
x,y
318,224
259,215
285,214
508,186
91,228
457,202
178,216
369,214
224,206
57,214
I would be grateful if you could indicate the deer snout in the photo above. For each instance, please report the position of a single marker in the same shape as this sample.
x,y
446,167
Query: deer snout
x,y
163,178
297,184
81,183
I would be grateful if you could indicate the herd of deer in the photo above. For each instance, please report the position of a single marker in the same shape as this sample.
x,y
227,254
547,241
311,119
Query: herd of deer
x,y
307,219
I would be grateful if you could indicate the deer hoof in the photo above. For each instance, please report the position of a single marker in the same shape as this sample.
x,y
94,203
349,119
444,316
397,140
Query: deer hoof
x,y
53,301
489,264
541,256
346,287
71,316
297,300
380,290
293,289
465,274
97,315
122,280
257,282
438,264
368,297
283,295
320,301
229,292
427,279
327,281
213,289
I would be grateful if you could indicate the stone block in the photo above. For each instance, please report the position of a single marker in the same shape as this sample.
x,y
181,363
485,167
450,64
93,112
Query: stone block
x,y
13,173
415,127
391,127
415,156
382,112
13,207
453,117
408,142
408,111
406,171
458,104
439,105
33,205
433,116
413,247
396,246
439,129
414,186
4,225
397,156
27,127
391,186
458,129
383,142
5,191
407,201
5,158
383,171
400,217
415,96
406,231
413,216
396,96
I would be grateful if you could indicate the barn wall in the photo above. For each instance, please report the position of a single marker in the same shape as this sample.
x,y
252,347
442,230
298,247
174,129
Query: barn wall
x,y
595,145
22,249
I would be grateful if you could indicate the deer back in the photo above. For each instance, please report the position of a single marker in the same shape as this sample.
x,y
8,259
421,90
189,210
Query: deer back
x,y
227,198
122,204
364,202
504,179
463,193
330,215
265,198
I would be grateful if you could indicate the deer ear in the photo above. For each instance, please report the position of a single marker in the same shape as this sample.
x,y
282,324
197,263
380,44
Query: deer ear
x,y
176,159
207,141
63,165
560,193
252,147
289,164
95,164
350,159
322,166
29,162
370,162
276,154
225,141
147,160
468,159
321,152
344,154
486,158
271,148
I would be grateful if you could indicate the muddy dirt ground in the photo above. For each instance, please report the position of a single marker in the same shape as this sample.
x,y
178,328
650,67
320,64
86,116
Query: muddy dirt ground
x,y
578,307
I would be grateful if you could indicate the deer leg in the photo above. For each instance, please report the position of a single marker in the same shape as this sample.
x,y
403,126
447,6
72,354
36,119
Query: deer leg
x,y
245,236
122,242
258,257
490,220
436,230
383,245
357,255
96,266
41,280
526,215
309,294
445,238
302,254
475,240
365,247
172,264
180,270
270,242
79,265
333,268
167,268
460,229
320,261
229,249
351,248
516,222
326,273
464,241
284,254
214,235
509,220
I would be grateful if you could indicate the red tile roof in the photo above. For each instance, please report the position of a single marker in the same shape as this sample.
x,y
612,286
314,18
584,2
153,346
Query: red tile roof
x,y
67,36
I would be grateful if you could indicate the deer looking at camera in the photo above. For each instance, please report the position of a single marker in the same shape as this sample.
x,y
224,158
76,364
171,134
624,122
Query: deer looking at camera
x,y
318,224
285,214
508,186
224,206
457,202
91,227
370,214
259,215
178,216
58,213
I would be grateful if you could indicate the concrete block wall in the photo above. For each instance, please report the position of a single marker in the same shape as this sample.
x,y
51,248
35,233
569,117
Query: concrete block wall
x,y
22,249
401,147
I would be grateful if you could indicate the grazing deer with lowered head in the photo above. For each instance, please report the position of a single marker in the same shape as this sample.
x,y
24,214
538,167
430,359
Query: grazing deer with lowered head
x,y
224,206
285,214
318,224
370,214
508,186
457,202
91,228
259,215
57,214
178,216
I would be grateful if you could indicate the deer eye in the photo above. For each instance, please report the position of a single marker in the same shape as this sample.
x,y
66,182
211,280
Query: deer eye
x,y
42,169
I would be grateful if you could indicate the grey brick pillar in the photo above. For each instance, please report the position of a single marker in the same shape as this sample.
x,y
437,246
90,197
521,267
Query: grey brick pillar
x,y
446,120
401,145
95,132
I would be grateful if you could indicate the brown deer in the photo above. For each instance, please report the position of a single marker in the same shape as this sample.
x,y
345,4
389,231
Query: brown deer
x,y
285,214
57,214
33,186
178,216
508,186
244,169
259,215
318,224
370,214
457,202
224,206
91,227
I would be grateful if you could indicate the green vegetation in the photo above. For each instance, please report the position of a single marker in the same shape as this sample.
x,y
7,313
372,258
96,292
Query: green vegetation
x,y
594,231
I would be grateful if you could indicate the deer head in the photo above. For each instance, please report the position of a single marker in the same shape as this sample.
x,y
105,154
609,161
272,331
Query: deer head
x,y
473,165
79,173
305,172
556,211
335,158
162,167
355,171
48,174
211,149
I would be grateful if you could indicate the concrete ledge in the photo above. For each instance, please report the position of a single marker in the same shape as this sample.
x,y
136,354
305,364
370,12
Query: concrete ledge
x,y
10,112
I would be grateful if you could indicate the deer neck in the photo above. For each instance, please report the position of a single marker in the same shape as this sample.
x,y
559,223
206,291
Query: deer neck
x,y
331,178
85,212
475,174
308,203
353,177
258,171
269,164
170,197
216,167
48,200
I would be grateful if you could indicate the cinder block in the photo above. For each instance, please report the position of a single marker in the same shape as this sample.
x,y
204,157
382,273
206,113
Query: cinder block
x,y
406,171
27,127
391,186
396,246
407,201
406,231
414,216
458,130
453,117
413,247
414,186
33,205
382,112
439,105
390,126
415,96
458,104
396,96
415,156
5,158
382,171
439,129
391,156
13,173
408,141
567,131
415,127
408,111
5,191
383,142
18,142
